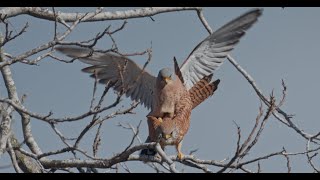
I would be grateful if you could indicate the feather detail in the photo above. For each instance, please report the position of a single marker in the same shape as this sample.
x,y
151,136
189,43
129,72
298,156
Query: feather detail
x,y
202,90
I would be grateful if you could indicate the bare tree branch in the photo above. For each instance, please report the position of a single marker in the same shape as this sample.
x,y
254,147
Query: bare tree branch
x,y
26,163
13,158
5,129
311,157
42,13
288,160
286,118
12,93
5,126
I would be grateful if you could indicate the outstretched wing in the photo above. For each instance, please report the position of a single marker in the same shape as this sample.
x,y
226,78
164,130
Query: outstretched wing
x,y
208,55
126,75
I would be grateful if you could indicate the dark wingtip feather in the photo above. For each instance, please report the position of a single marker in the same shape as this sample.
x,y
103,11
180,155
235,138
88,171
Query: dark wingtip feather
x,y
66,49
89,69
58,48
236,28
209,77
258,11
216,82
177,70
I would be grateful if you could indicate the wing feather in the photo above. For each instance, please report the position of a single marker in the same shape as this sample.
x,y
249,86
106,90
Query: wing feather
x,y
209,54
138,84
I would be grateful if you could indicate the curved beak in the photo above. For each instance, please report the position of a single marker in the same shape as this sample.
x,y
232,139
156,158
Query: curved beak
x,y
166,136
167,79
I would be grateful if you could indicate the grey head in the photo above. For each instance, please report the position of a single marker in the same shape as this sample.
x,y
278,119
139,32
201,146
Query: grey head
x,y
165,72
165,76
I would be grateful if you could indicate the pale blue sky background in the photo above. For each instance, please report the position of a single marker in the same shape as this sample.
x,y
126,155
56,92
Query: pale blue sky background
x,y
283,44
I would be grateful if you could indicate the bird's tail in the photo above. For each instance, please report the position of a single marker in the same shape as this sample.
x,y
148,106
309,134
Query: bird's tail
x,y
148,152
202,90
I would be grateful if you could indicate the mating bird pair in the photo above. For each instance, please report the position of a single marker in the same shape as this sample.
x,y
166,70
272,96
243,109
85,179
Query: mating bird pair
x,y
170,96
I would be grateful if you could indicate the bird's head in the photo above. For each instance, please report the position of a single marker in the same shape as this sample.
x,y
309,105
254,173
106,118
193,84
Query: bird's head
x,y
169,135
165,76
168,129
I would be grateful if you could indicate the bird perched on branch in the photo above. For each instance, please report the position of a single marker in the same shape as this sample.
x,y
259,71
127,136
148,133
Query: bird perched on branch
x,y
171,130
163,94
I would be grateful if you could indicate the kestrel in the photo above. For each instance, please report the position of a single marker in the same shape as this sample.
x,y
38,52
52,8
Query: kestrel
x,y
162,94
170,131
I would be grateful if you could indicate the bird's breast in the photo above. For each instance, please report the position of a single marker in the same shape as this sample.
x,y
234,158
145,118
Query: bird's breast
x,y
166,100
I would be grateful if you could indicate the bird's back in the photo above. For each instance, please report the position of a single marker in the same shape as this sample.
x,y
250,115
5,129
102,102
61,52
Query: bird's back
x,y
179,124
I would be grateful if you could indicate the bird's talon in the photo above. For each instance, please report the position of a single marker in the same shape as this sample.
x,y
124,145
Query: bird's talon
x,y
157,156
180,156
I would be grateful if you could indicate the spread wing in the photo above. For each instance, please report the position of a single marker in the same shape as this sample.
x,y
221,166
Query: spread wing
x,y
208,55
119,70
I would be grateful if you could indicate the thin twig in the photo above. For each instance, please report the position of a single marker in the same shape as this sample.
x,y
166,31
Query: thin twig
x,y
13,158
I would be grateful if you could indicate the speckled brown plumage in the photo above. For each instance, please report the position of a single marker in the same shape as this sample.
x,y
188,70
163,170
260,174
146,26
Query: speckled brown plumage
x,y
171,131
202,90
168,95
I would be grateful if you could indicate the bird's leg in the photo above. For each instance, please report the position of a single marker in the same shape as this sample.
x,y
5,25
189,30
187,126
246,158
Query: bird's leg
x,y
178,148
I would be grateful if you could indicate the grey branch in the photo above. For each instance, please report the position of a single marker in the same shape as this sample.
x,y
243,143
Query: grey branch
x,y
5,128
102,16
13,158
5,119
286,118
13,96
26,163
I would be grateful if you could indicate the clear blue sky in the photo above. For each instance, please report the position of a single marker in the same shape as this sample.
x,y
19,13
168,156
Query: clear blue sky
x,y
283,44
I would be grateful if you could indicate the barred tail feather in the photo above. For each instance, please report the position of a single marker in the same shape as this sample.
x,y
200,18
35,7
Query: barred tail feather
x,y
202,90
